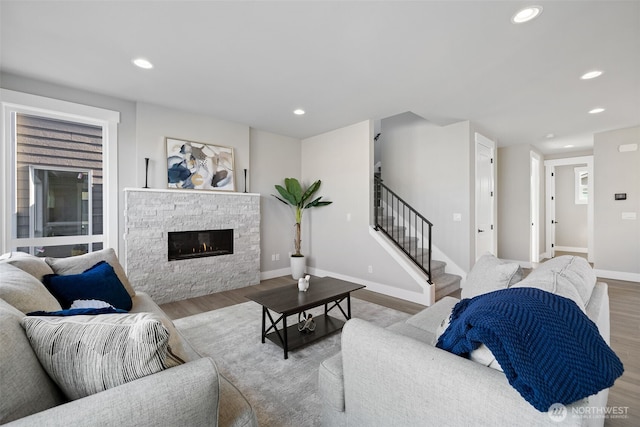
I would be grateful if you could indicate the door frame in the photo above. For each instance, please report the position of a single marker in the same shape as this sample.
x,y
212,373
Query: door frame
x,y
491,145
549,166
534,207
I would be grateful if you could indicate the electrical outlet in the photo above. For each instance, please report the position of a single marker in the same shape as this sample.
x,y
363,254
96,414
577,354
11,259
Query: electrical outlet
x,y
370,269
273,257
277,257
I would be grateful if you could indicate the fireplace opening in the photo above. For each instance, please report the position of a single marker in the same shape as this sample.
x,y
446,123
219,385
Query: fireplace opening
x,y
199,244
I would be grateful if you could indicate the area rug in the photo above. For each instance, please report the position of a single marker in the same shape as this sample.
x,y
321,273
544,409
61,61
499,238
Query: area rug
x,y
282,392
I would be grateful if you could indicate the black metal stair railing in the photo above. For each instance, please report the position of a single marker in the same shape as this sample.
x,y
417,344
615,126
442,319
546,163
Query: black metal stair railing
x,y
405,226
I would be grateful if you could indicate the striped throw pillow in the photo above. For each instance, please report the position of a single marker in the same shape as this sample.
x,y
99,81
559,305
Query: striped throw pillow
x,y
88,354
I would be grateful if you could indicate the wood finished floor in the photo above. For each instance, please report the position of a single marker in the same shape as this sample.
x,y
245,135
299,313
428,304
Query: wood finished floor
x,y
625,331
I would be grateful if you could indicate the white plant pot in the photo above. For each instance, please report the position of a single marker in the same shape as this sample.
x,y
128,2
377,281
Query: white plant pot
x,y
297,267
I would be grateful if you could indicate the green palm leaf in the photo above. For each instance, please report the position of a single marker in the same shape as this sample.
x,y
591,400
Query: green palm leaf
x,y
292,194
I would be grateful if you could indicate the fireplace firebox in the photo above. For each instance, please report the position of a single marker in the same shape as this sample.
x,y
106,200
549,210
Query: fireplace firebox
x,y
199,244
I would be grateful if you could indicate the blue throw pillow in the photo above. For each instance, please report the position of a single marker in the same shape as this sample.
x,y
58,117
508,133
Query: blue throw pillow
x,y
78,312
99,282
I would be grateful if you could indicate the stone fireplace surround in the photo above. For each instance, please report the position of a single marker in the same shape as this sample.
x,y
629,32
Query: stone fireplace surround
x,y
150,214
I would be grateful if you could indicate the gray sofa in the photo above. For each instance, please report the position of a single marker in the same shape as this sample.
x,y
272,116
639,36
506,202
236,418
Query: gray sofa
x,y
193,393
397,377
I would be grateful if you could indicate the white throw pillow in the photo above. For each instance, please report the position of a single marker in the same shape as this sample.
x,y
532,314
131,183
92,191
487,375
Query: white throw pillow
x,y
90,303
481,355
88,354
490,274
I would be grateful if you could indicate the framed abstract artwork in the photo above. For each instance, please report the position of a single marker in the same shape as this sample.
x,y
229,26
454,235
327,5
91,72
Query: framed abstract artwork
x,y
199,166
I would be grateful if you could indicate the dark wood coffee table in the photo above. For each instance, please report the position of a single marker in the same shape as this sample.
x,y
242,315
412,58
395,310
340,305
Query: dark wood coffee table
x,y
288,300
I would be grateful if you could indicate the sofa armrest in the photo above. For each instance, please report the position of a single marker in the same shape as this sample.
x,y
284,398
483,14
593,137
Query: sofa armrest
x,y
184,395
390,379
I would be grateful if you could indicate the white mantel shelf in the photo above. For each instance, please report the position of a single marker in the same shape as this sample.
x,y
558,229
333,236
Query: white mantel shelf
x,y
186,190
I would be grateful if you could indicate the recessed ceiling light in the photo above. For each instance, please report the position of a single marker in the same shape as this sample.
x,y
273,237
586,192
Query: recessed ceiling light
x,y
298,112
569,146
550,136
526,14
591,75
142,63
596,110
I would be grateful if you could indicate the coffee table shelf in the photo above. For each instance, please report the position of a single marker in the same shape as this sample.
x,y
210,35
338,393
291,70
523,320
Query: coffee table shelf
x,y
325,325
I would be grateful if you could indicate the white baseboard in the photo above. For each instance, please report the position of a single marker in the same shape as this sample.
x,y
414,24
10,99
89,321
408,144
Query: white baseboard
x,y
405,294
266,275
617,275
571,249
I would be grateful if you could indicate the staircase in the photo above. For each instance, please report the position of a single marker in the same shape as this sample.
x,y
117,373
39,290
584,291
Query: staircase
x,y
444,282
411,233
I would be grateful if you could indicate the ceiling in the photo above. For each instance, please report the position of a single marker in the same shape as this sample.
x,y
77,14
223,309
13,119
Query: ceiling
x,y
346,61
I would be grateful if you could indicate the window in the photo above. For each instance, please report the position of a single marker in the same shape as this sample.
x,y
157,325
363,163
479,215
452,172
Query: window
x,y
59,189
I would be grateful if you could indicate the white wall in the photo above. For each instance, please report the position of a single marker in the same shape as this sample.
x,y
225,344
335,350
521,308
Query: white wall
x,y
338,234
616,240
274,158
514,188
154,123
431,167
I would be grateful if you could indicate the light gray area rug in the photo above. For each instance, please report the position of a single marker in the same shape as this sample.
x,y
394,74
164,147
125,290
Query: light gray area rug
x,y
283,392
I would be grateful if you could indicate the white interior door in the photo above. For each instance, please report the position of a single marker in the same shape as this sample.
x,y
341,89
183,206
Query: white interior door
x,y
485,197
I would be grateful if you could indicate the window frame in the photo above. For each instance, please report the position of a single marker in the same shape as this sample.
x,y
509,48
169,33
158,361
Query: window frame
x,y
14,103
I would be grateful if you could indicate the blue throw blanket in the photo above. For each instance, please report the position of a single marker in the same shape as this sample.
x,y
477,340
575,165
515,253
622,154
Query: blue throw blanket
x,y
550,351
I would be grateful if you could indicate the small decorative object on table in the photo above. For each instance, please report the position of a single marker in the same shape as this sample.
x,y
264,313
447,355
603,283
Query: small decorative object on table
x,y
303,283
306,322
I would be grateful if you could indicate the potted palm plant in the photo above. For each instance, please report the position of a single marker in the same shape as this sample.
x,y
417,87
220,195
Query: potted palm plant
x,y
292,194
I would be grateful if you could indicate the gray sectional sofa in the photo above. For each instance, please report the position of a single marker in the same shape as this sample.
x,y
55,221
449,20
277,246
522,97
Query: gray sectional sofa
x,y
192,393
397,377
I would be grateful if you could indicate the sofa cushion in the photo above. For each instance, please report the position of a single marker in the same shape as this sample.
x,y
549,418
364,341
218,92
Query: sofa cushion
x,y
490,274
23,291
88,354
26,387
81,263
576,270
431,317
33,265
98,282
553,282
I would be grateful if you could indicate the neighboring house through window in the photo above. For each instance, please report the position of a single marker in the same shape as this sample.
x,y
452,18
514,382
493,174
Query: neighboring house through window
x,y
59,189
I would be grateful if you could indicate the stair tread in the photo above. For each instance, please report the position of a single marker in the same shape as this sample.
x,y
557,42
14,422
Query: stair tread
x,y
446,284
